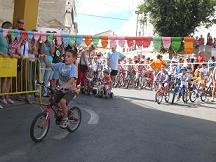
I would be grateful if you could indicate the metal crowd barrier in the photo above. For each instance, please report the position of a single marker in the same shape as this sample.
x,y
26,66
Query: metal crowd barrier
x,y
24,74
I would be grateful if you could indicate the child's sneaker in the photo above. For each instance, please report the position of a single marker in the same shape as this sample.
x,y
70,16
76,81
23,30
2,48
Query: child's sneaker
x,y
64,123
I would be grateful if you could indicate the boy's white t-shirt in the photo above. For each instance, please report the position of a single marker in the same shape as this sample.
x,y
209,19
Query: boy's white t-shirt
x,y
113,59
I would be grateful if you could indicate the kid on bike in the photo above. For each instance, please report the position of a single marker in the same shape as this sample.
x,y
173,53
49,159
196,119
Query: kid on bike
x,y
67,80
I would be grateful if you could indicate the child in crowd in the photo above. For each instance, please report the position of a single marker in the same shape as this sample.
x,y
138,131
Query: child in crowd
x,y
107,83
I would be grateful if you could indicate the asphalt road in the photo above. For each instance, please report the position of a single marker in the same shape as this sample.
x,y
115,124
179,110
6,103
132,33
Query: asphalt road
x,y
131,127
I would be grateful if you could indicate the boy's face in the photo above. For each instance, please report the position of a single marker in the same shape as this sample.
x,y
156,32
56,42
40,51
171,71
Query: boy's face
x,y
69,59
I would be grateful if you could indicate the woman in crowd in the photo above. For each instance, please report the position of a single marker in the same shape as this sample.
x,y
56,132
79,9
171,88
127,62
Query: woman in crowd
x,y
6,82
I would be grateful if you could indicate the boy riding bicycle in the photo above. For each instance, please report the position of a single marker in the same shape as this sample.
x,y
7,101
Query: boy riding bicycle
x,y
67,80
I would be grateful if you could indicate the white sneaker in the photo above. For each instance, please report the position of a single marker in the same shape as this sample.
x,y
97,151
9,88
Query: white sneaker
x,y
10,101
1,107
4,101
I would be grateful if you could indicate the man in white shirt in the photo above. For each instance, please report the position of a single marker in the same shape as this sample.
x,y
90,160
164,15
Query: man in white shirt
x,y
113,60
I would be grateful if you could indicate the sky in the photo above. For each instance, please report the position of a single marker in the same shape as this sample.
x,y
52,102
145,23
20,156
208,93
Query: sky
x,y
124,9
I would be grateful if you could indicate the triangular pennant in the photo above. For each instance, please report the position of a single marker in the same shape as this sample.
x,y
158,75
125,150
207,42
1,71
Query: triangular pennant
x,y
18,34
130,41
43,37
113,43
12,34
36,36
79,39
188,45
24,35
157,43
30,35
176,43
146,41
50,37
121,42
72,39
5,32
166,42
104,41
139,42
95,40
88,39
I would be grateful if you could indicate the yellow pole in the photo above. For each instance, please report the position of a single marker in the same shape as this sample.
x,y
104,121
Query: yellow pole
x,y
28,11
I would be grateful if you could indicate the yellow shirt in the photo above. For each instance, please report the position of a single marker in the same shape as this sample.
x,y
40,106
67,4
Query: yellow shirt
x,y
156,64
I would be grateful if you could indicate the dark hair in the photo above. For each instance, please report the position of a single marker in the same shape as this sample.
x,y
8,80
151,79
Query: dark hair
x,y
72,50
6,23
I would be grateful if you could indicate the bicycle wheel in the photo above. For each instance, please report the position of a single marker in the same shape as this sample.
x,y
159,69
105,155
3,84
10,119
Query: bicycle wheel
x,y
192,96
39,127
185,96
158,97
203,96
74,117
167,97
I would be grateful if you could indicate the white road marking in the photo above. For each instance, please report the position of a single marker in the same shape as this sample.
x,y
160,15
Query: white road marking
x,y
61,136
94,116
12,155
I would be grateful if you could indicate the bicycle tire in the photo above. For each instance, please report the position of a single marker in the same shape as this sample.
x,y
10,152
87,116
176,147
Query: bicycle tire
x,y
167,98
185,97
72,119
203,96
32,133
157,97
190,96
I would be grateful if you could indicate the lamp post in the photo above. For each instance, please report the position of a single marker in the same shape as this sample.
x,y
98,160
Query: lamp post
x,y
137,13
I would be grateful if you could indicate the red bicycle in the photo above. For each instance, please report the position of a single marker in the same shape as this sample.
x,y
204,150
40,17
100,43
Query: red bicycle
x,y
41,123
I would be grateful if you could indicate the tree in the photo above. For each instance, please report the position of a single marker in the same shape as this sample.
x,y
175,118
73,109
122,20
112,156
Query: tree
x,y
178,18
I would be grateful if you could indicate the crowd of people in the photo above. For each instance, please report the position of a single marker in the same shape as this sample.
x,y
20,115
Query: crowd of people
x,y
93,64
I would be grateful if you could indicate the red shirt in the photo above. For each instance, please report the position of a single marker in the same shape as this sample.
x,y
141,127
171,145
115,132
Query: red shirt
x,y
201,58
107,80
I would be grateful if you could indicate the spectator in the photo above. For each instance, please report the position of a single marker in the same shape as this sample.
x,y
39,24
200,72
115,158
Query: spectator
x,y
209,40
214,43
157,63
214,84
201,40
211,63
113,60
20,24
6,86
201,57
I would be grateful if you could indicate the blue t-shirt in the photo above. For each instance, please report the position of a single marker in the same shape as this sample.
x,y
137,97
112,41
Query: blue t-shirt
x,y
113,59
66,72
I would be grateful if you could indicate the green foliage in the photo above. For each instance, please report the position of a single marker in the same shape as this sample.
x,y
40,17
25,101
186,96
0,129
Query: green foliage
x,y
178,18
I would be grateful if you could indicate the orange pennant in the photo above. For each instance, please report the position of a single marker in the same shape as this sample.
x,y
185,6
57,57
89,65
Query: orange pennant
x,y
104,41
88,39
188,45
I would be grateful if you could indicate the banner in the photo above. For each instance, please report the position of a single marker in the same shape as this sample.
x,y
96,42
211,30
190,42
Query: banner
x,y
188,45
8,67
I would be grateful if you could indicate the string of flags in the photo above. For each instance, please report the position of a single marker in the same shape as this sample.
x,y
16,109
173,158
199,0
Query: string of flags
x,y
105,41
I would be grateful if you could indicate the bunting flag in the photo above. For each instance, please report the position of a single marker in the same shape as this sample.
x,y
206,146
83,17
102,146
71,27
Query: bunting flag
x,y
146,42
18,34
30,35
157,43
66,41
50,37
24,35
188,45
176,43
166,42
12,34
112,43
36,36
139,42
79,39
88,39
5,32
72,40
130,41
104,41
43,37
121,42
95,40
